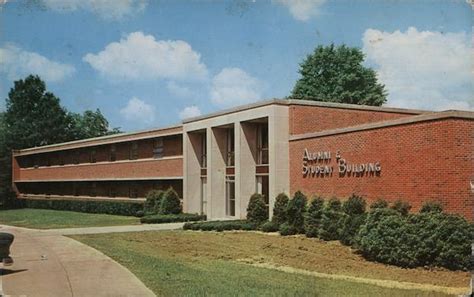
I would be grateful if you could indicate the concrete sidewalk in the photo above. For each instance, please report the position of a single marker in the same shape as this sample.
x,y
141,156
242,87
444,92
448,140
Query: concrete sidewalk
x,y
49,264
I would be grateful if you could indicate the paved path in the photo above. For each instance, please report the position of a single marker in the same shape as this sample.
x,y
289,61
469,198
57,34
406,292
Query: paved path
x,y
49,264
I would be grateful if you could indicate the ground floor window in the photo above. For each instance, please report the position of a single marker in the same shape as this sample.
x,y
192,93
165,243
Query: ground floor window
x,y
263,187
203,195
230,195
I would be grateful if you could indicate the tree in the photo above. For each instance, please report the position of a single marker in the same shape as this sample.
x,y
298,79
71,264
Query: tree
x,y
90,124
34,116
336,74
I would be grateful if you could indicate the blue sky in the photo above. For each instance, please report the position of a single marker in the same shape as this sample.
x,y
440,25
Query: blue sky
x,y
151,63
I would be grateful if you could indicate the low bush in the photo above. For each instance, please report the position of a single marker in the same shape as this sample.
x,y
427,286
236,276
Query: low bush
x,y
379,203
355,205
104,207
153,201
295,212
257,211
170,203
313,217
287,229
402,207
431,206
332,220
220,225
171,218
279,209
270,227
426,239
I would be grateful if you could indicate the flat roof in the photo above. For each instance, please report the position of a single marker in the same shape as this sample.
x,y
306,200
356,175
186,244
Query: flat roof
x,y
177,129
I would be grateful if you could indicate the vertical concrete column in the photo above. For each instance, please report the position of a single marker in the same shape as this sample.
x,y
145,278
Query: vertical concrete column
x,y
191,172
216,172
245,172
237,167
15,173
278,142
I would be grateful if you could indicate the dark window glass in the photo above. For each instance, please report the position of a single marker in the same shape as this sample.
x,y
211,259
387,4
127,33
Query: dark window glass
x,y
113,153
133,151
158,148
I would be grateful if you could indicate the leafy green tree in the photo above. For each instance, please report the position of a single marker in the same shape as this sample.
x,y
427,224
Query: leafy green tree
x,y
336,74
90,124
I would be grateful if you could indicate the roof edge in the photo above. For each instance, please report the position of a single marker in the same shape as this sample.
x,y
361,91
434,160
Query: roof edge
x,y
433,116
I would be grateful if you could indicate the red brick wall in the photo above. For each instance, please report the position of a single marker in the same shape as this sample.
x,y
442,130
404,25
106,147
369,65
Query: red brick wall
x,y
307,119
132,169
420,161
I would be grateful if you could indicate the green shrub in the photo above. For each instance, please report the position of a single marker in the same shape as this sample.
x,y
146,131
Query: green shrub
x,y
426,239
171,218
379,203
220,225
279,209
431,206
287,229
270,227
332,220
295,211
350,228
355,205
140,213
104,207
257,211
313,217
153,201
402,207
170,203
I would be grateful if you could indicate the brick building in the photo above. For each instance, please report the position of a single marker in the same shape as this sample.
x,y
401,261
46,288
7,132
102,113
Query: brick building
x,y
216,161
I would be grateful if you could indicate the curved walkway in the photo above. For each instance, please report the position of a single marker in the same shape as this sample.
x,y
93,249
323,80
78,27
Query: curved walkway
x,y
49,264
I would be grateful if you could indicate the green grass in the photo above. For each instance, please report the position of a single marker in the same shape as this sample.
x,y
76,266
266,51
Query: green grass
x,y
173,274
53,219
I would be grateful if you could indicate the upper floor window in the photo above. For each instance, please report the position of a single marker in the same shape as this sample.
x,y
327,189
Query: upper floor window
x,y
75,157
113,153
93,156
203,158
133,192
134,151
230,148
158,147
262,144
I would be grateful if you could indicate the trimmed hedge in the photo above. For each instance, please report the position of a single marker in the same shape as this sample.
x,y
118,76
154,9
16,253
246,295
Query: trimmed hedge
x,y
104,207
270,227
295,212
153,201
431,206
170,203
257,211
402,207
313,217
426,239
332,220
171,218
220,226
279,209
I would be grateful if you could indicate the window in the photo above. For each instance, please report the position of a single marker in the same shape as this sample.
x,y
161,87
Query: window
x,y
61,159
158,148
75,157
230,147
230,195
93,190
93,156
133,192
112,191
113,153
262,144
203,195
133,151
203,158
263,187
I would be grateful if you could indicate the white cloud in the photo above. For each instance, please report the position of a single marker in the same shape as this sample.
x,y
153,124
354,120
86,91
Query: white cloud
x,y
302,10
189,112
138,111
179,90
139,56
233,86
106,9
16,63
422,69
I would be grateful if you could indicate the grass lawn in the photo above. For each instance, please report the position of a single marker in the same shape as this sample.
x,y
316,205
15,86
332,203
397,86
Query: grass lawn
x,y
52,219
187,263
